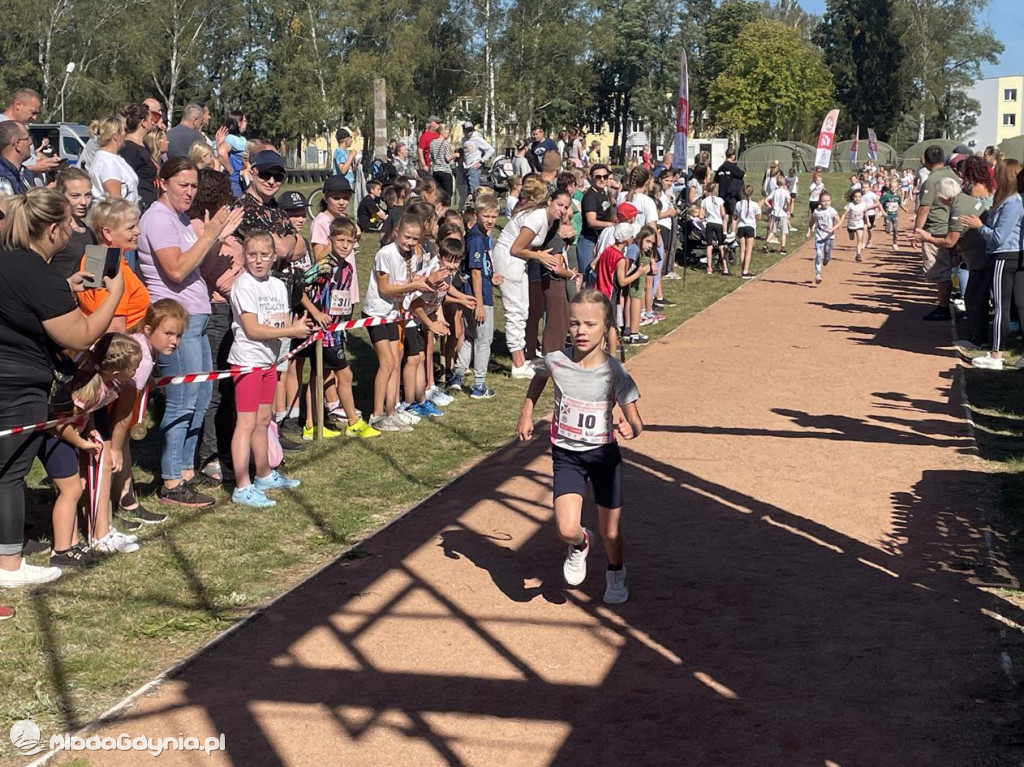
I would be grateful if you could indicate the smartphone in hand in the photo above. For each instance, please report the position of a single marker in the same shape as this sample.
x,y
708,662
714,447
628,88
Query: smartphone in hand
x,y
100,262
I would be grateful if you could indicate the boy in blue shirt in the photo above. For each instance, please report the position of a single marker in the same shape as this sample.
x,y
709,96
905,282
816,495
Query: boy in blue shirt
x,y
480,319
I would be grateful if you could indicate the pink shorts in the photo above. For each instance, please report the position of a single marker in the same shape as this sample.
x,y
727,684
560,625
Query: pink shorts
x,y
255,389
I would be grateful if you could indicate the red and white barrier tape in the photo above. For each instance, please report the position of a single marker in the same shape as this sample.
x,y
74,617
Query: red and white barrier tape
x,y
215,375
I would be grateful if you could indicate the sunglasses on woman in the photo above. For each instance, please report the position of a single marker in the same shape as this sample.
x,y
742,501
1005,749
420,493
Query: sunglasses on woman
x,y
267,175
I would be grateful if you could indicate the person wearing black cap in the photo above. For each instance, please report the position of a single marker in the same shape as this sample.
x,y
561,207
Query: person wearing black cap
x,y
261,209
344,157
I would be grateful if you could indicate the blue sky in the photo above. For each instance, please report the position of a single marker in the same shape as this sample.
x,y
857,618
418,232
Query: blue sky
x,y
1006,17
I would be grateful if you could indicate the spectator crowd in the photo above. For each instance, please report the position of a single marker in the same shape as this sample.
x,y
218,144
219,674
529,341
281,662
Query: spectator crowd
x,y
167,252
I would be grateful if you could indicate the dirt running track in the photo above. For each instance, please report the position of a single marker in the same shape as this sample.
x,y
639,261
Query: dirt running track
x,y
805,559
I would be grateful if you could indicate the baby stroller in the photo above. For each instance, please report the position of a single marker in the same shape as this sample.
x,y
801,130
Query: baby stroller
x,y
693,246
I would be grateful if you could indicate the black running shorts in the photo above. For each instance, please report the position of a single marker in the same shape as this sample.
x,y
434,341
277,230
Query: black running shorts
x,y
602,466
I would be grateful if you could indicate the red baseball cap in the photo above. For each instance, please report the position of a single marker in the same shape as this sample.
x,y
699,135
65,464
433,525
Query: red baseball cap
x,y
626,211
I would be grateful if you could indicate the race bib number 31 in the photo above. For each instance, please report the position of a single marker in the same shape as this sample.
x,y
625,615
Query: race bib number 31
x,y
588,422
341,302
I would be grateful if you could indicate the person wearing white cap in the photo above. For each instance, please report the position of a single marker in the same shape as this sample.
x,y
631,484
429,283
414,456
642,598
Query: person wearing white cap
x,y
476,152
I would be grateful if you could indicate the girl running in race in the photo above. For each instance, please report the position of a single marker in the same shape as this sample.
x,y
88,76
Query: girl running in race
x,y
855,215
747,213
588,385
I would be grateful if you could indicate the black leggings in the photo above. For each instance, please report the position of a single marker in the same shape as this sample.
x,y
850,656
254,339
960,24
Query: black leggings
x,y
979,288
19,405
1007,287
446,182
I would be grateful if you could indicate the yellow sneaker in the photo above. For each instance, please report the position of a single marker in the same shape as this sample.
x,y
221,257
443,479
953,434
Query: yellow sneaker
x,y
362,430
307,433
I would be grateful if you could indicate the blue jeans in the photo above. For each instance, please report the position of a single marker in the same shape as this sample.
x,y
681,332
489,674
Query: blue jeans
x,y
182,424
472,180
584,257
822,253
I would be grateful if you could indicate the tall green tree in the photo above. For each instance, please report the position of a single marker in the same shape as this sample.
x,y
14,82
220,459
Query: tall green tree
x,y
945,50
776,85
863,49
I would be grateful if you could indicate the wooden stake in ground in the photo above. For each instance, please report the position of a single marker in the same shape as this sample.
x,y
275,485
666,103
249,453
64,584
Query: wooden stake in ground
x,y
380,119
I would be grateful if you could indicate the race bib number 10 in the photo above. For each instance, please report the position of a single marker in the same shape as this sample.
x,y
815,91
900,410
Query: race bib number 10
x,y
588,422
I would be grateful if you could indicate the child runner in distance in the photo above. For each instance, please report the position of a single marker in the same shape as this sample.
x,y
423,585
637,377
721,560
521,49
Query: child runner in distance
x,y
479,318
331,296
260,309
855,214
782,209
892,204
612,276
588,385
870,199
823,224
747,213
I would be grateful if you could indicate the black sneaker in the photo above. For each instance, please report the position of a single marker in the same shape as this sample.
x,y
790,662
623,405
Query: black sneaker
x,y
202,479
938,314
76,557
290,446
663,302
140,514
185,495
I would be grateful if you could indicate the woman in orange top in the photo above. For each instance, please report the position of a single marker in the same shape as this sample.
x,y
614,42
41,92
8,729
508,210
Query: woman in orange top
x,y
116,225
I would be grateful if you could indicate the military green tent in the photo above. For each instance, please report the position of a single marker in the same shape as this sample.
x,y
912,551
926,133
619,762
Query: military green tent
x,y
841,155
789,154
911,156
1013,148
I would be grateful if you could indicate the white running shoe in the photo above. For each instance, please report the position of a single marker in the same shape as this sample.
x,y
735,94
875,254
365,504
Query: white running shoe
x,y
525,371
437,395
575,566
28,575
987,362
615,592
128,537
403,415
388,423
114,543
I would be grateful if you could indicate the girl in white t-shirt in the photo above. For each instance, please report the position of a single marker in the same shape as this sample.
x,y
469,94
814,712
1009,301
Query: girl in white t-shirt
x,y
870,198
782,207
260,309
814,191
855,214
747,213
712,213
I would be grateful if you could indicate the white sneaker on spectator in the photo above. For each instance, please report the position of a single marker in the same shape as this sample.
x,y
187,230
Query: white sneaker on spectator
x,y
987,362
388,423
28,575
524,371
128,537
402,414
437,395
114,543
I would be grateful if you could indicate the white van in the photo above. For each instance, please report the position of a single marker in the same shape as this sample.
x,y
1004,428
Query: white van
x,y
67,139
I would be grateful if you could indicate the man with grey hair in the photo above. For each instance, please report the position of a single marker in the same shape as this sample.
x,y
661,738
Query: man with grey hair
x,y
15,147
476,152
182,136
933,218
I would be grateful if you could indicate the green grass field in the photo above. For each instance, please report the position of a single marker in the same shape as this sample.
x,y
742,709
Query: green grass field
x,y
81,644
